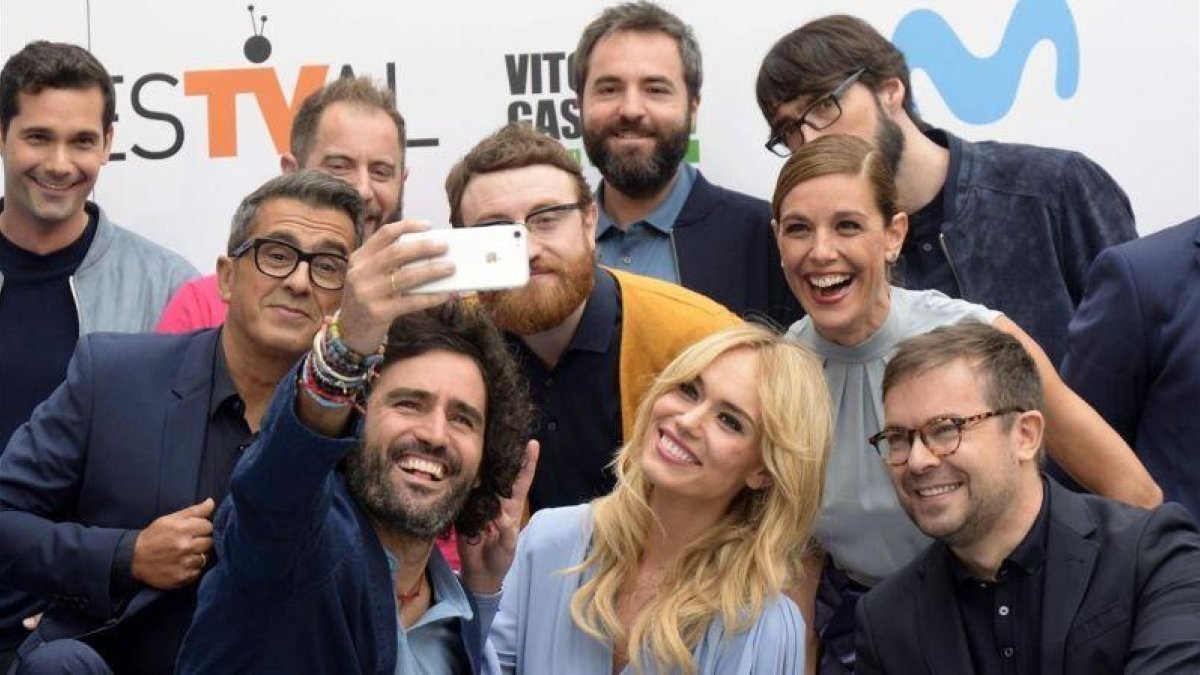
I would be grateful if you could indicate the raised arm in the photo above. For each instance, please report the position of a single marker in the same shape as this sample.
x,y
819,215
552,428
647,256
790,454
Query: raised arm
x,y
1082,442
282,489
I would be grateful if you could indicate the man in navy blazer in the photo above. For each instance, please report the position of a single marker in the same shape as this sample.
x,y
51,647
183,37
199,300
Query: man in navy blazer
x,y
328,563
1134,352
106,493
1025,576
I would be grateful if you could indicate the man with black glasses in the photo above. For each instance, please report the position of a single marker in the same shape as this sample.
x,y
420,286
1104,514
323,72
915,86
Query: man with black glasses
x,y
589,339
1012,227
1025,576
107,493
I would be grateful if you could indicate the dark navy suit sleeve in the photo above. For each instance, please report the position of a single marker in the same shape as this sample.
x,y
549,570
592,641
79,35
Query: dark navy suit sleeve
x,y
280,495
866,659
1093,214
1108,357
40,475
1166,624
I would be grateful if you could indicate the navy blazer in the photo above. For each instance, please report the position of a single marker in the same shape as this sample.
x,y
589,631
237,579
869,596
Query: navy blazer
x,y
303,584
1122,595
117,445
1134,353
726,251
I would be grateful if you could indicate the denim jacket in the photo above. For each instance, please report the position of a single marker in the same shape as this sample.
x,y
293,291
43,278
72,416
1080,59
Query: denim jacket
x,y
1021,227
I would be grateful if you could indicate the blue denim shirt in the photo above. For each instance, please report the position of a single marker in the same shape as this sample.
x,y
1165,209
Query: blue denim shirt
x,y
645,247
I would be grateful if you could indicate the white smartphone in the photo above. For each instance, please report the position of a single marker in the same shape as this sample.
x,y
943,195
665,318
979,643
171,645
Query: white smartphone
x,y
485,258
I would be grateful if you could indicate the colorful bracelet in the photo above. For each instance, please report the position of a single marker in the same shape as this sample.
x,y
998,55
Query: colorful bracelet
x,y
317,392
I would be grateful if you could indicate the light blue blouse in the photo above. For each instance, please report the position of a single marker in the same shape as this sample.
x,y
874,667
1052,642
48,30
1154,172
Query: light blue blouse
x,y
861,523
534,634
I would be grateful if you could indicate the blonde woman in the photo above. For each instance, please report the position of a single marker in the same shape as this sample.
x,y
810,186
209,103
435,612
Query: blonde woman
x,y
681,568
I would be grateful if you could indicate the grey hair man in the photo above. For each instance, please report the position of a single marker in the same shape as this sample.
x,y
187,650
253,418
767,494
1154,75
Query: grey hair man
x,y
106,495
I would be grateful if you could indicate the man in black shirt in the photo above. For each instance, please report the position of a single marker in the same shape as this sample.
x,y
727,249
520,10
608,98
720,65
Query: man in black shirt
x,y
1025,576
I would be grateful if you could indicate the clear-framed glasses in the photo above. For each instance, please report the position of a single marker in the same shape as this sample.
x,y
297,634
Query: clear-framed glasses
x,y
542,222
278,259
941,436
819,115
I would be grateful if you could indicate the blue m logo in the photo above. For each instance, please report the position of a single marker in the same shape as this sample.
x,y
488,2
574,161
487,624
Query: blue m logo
x,y
979,90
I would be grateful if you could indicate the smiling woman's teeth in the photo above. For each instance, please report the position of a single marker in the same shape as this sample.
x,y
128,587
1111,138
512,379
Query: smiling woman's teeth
x,y
672,449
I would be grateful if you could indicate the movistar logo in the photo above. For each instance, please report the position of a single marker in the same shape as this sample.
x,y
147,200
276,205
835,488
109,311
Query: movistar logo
x,y
979,90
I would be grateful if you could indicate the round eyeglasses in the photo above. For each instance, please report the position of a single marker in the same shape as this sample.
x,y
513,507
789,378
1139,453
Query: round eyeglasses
x,y
941,436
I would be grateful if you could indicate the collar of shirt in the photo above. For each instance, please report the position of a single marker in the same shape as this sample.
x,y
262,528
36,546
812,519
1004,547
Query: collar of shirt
x,y
599,318
224,391
1028,557
663,218
449,600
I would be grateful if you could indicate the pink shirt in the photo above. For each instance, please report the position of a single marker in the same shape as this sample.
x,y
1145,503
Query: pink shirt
x,y
197,304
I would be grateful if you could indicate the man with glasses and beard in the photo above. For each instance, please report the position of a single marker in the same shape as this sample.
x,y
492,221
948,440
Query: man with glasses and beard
x,y
1012,227
589,339
1024,576
637,73
328,563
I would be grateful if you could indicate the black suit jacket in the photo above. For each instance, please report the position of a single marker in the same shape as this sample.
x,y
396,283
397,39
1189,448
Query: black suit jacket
x,y
1122,595
725,250
117,445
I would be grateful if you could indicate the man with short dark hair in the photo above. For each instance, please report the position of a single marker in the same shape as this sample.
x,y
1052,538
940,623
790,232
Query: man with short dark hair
x,y
638,76
350,129
66,270
589,339
1025,576
107,492
1011,227
328,563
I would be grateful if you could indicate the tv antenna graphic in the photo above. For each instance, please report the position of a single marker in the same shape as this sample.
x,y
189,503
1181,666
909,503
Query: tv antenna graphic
x,y
258,47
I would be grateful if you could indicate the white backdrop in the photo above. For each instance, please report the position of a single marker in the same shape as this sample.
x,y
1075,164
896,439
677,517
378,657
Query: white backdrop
x,y
1128,95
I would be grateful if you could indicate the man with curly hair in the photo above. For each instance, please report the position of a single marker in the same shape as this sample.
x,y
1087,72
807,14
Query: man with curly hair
x,y
328,563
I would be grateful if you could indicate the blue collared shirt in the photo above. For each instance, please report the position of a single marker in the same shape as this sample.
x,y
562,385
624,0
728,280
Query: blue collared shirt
x,y
645,247
432,645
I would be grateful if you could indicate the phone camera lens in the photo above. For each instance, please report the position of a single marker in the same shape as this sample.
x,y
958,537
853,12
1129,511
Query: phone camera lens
x,y
516,234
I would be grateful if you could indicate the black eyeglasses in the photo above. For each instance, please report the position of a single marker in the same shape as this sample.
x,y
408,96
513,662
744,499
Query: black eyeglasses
x,y
543,222
278,259
941,436
818,116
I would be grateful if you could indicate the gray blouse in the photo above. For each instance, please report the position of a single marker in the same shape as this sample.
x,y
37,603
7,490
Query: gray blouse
x,y
861,523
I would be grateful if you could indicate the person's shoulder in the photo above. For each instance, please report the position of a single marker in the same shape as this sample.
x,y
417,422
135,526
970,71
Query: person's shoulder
x,y
558,528
1180,242
728,198
663,295
145,344
131,242
928,309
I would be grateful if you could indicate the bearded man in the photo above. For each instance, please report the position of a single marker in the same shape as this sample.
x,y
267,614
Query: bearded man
x,y
589,339
637,73
327,556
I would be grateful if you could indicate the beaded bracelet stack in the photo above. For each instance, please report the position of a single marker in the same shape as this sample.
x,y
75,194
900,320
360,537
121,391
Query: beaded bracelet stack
x,y
334,375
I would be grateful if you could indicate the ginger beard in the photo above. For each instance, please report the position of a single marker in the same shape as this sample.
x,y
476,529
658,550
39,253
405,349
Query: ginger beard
x,y
543,304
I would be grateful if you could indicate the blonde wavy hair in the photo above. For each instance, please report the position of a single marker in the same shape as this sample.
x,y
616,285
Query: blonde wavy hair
x,y
754,552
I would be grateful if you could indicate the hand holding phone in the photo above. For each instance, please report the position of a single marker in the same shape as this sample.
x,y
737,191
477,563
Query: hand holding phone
x,y
485,258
